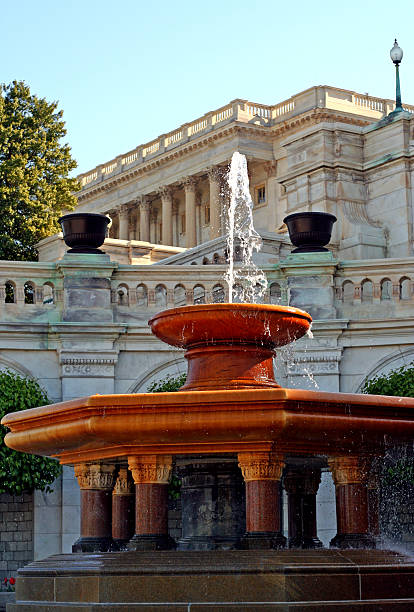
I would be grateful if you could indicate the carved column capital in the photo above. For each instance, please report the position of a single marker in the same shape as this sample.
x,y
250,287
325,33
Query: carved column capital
x,y
189,184
270,168
98,476
214,174
150,469
124,484
261,466
123,210
348,470
165,193
302,481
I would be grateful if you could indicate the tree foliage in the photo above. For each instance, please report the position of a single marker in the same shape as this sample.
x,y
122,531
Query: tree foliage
x,y
169,383
19,471
398,382
34,167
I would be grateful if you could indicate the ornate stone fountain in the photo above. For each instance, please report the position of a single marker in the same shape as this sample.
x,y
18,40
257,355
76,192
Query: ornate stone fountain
x,y
230,404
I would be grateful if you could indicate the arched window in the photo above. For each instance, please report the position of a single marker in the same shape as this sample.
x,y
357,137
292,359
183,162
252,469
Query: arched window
x,y
405,288
10,291
142,295
205,261
216,258
218,294
275,293
160,296
258,294
29,293
348,291
122,293
386,289
179,296
199,294
237,293
48,293
366,291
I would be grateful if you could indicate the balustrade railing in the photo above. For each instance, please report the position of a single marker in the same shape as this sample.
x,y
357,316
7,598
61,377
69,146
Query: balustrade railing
x,y
242,110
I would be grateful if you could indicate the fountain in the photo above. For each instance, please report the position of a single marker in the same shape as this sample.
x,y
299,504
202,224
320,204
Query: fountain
x,y
230,404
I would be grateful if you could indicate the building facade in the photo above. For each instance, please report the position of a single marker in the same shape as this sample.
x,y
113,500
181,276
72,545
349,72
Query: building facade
x,y
79,324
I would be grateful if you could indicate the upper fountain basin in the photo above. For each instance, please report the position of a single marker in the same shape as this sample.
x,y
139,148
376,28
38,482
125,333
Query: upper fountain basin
x,y
258,324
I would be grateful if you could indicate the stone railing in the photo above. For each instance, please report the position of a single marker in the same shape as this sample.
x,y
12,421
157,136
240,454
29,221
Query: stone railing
x,y
245,111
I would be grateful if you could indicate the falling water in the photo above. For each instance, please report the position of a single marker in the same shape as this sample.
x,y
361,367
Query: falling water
x,y
246,282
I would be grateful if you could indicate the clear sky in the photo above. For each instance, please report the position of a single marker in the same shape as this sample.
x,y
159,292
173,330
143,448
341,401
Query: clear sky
x,y
125,72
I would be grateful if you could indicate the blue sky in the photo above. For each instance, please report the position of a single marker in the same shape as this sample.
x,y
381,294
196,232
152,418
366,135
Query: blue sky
x,y
125,72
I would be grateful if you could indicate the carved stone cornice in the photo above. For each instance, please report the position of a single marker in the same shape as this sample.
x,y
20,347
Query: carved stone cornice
x,y
124,484
98,476
348,470
261,465
150,469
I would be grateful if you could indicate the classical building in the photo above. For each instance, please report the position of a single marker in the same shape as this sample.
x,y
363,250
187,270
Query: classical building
x,y
79,324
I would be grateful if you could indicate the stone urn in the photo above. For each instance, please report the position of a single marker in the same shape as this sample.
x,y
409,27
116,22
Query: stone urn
x,y
309,232
84,232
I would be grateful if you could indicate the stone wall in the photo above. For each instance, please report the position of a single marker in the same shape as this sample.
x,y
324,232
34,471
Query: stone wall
x,y
16,532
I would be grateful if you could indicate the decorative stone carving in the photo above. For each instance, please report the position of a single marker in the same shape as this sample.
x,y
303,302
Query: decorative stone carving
x,y
99,476
348,470
165,192
214,174
150,469
189,184
144,203
261,466
124,484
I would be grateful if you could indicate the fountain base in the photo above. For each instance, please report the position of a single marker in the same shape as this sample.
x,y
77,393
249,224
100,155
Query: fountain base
x,y
218,580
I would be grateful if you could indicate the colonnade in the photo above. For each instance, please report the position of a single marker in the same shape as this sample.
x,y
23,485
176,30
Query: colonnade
x,y
111,515
139,218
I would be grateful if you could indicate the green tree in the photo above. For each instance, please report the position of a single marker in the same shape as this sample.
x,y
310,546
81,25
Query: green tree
x,y
19,471
398,382
169,383
34,167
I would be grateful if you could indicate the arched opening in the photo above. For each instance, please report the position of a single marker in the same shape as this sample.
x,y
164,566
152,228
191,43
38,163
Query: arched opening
x,y
366,291
275,293
122,293
161,296
237,293
29,293
199,295
10,292
142,295
48,293
218,294
348,291
179,296
386,289
405,288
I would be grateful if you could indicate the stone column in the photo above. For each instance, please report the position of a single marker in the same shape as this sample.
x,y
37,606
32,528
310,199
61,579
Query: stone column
x,y
167,228
262,472
215,211
190,212
301,485
350,478
123,506
96,482
151,475
144,219
212,498
123,222
153,226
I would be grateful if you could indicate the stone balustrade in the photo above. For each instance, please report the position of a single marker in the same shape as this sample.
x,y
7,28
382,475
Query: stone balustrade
x,y
245,112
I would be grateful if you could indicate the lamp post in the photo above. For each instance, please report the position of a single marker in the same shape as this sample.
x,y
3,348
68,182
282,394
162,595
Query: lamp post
x,y
396,55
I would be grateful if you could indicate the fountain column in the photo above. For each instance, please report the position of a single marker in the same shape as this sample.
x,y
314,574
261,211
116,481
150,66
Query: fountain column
x,y
151,474
301,485
96,482
352,512
123,502
262,472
